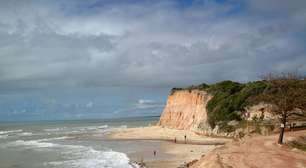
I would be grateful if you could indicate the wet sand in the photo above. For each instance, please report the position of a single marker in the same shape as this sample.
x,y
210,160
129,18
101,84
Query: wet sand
x,y
169,154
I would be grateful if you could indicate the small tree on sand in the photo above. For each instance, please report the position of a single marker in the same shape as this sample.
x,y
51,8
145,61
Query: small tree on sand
x,y
288,93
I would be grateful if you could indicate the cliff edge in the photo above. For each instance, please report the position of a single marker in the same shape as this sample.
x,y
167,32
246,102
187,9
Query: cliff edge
x,y
185,109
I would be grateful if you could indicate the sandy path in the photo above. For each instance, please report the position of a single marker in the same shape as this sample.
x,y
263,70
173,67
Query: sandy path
x,y
256,152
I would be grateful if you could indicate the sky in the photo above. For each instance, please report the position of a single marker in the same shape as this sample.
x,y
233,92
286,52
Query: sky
x,y
97,44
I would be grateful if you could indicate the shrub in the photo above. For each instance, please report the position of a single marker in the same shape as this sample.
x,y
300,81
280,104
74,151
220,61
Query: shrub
x,y
230,98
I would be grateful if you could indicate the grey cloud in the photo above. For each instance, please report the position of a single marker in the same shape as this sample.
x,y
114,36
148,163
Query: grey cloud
x,y
69,44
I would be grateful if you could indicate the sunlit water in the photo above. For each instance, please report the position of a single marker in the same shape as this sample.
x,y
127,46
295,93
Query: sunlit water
x,y
53,144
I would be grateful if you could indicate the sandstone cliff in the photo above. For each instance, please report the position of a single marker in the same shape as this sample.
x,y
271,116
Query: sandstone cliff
x,y
185,109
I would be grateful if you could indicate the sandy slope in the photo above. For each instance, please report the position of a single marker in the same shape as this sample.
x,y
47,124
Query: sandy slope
x,y
256,152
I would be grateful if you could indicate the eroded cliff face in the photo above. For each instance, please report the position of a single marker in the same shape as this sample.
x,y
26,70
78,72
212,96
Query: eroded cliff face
x,y
261,110
185,109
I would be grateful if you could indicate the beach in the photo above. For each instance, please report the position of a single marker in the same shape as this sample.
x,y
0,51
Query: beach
x,y
210,152
169,153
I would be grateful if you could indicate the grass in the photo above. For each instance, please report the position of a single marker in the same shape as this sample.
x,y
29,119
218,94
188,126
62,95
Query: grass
x,y
300,143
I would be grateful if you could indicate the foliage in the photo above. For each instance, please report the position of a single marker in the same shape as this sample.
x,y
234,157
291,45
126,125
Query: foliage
x,y
230,98
300,143
288,93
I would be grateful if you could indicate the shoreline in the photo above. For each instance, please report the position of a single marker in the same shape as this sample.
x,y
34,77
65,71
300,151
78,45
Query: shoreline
x,y
203,151
165,134
169,153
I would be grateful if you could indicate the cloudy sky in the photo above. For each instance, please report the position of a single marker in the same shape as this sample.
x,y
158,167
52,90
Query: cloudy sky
x,y
147,43
47,44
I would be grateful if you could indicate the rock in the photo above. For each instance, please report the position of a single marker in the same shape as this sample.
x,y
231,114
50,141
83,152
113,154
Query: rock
x,y
215,131
233,123
239,133
261,110
185,109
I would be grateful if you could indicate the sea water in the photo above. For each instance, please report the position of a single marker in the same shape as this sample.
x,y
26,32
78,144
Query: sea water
x,y
65,144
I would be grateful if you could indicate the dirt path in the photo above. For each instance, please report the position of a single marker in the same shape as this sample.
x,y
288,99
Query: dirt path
x,y
256,152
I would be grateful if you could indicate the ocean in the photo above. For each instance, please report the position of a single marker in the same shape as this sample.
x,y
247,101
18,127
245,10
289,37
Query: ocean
x,y
68,144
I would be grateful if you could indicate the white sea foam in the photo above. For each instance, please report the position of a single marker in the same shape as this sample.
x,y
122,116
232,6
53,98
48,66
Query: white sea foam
x,y
103,126
30,144
87,157
75,129
52,139
54,129
75,156
123,126
25,134
10,131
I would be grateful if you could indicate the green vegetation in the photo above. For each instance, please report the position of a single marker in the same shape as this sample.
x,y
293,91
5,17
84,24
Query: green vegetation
x,y
230,98
299,143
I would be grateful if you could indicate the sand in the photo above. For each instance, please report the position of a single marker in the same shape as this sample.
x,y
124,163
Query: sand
x,y
256,152
167,134
169,153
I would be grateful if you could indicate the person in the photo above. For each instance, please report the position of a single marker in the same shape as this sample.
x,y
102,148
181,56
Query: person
x,y
154,152
175,140
185,138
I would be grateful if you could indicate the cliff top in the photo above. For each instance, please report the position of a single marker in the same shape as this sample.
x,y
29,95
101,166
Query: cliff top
x,y
230,99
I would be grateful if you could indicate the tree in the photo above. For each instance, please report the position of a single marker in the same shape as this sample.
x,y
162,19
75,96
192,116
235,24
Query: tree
x,y
287,93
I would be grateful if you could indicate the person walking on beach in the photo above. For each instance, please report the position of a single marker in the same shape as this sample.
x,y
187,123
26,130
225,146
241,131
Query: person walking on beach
x,y
154,153
175,140
185,138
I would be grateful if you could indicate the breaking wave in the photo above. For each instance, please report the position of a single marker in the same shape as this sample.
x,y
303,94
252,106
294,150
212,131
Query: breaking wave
x,y
75,156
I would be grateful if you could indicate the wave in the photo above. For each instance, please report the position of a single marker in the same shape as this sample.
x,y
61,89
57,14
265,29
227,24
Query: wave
x,y
145,101
75,156
39,143
25,134
10,131
87,157
30,144
75,129
55,129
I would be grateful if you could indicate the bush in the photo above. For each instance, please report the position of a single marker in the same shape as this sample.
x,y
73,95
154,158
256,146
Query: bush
x,y
229,99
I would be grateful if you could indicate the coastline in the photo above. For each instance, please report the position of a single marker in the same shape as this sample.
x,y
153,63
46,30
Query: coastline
x,y
169,154
209,152
165,134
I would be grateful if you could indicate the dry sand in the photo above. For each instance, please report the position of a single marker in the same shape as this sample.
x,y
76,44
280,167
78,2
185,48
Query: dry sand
x,y
256,152
162,133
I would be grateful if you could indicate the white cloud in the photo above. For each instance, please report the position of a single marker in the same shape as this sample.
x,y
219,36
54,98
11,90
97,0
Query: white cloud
x,y
76,43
